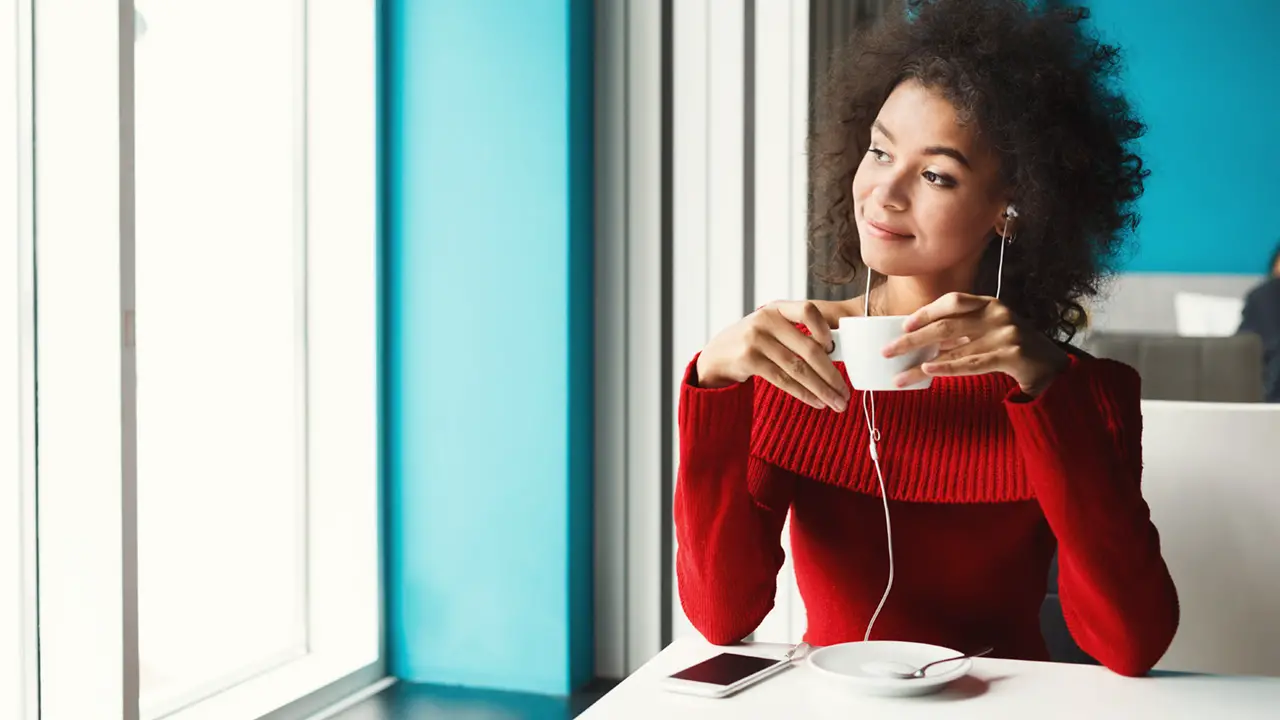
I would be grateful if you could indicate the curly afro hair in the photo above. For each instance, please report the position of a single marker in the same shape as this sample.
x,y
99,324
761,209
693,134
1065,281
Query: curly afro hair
x,y
1042,93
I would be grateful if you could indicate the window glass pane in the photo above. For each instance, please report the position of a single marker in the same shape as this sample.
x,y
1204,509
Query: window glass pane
x,y
220,345
13,525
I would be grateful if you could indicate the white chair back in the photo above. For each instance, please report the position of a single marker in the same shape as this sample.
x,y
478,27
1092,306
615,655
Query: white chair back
x,y
1212,480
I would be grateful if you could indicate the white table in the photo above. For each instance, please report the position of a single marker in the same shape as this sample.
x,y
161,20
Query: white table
x,y
995,689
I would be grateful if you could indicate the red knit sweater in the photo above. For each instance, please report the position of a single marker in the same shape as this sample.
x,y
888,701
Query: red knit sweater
x,y
984,483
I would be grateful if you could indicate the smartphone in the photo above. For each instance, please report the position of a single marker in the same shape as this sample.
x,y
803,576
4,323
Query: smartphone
x,y
724,674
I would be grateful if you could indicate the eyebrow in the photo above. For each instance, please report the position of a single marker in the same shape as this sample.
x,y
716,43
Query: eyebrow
x,y
931,150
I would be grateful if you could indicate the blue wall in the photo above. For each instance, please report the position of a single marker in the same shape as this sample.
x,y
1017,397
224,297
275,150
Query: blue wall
x,y
487,201
1203,75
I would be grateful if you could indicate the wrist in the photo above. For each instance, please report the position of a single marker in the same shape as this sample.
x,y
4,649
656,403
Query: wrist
x,y
1054,365
707,376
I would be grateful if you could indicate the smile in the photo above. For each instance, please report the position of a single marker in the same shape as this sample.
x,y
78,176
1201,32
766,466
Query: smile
x,y
887,232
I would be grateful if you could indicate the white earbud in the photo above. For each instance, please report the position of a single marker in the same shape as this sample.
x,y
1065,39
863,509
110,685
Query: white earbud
x,y
1010,213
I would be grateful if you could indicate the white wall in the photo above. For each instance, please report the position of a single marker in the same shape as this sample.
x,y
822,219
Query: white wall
x,y
1143,302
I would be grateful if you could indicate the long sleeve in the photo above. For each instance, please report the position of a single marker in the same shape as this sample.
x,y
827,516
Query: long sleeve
x,y
1081,442
729,513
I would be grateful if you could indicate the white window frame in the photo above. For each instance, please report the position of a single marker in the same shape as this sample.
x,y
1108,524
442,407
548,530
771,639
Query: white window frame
x,y
781,181
80,461
86,457
708,189
629,517
18,671
718,273
706,274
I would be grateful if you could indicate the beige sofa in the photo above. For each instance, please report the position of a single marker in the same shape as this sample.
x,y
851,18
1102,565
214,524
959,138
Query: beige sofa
x,y
1214,369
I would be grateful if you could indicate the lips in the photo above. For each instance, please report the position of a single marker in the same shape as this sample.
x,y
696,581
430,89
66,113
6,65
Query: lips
x,y
887,231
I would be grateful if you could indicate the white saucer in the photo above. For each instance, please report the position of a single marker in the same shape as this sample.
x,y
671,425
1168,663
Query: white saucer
x,y
853,665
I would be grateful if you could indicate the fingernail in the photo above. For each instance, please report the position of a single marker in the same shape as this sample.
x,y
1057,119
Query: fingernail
x,y
900,381
840,404
887,350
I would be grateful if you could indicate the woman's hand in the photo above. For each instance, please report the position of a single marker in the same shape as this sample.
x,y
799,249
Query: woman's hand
x,y
978,335
767,343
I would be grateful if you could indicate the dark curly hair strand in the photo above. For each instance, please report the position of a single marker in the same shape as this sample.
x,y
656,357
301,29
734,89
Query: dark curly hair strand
x,y
1042,93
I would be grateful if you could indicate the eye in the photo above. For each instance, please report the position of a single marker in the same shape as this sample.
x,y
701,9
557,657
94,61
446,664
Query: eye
x,y
937,179
879,155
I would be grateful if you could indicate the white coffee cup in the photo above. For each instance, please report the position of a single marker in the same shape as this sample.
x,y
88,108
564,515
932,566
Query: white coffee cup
x,y
859,344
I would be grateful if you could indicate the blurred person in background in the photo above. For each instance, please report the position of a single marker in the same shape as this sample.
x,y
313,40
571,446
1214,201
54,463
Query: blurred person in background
x,y
1261,316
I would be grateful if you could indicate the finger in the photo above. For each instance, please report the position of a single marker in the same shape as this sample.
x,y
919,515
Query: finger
x,y
910,377
946,306
807,314
948,350
947,345
798,369
947,329
985,344
978,364
781,379
958,353
831,387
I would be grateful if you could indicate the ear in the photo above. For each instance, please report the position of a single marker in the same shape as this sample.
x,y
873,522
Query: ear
x,y
1006,225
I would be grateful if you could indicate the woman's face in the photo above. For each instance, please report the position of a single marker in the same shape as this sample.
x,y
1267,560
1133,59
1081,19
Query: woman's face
x,y
927,195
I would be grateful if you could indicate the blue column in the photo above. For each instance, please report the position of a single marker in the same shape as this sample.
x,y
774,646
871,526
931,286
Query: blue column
x,y
488,349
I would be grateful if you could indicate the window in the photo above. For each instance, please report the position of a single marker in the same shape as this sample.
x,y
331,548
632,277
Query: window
x,y
17,582
222,397
207,349
739,187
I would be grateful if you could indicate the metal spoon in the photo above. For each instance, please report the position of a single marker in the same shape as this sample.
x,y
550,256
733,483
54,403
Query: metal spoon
x,y
903,671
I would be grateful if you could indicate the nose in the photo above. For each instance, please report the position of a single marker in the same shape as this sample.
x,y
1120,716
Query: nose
x,y
889,192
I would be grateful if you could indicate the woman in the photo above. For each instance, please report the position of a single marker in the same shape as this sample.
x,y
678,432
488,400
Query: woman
x,y
943,124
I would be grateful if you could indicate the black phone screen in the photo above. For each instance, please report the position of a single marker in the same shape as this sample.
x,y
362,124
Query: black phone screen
x,y
725,669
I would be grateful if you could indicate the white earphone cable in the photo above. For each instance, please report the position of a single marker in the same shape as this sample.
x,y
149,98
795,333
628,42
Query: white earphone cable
x,y
869,412
873,433
1000,268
